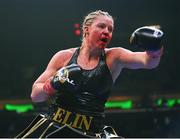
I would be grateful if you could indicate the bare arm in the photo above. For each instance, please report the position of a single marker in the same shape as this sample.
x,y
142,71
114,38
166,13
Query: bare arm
x,y
136,60
38,94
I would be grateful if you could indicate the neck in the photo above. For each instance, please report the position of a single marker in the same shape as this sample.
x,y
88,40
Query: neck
x,y
90,51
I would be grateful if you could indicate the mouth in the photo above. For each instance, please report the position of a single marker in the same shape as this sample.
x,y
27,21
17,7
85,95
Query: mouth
x,y
105,40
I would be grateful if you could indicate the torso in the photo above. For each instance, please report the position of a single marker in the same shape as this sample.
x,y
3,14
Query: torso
x,y
93,89
95,85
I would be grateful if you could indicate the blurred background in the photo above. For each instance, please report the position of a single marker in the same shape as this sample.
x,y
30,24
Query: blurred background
x,y
143,103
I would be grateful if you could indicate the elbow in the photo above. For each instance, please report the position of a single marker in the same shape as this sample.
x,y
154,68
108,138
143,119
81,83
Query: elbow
x,y
37,95
37,99
33,98
152,66
152,63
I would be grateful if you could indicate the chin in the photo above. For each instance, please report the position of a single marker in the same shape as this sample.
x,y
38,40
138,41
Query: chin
x,y
103,46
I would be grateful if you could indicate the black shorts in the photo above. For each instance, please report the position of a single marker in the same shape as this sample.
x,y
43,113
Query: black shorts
x,y
42,127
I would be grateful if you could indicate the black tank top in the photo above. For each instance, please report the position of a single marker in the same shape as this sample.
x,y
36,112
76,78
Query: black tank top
x,y
93,91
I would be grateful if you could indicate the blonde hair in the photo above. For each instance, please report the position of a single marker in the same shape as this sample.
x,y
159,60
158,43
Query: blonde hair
x,y
88,20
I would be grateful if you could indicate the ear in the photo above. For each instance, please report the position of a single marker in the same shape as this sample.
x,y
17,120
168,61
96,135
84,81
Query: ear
x,y
86,30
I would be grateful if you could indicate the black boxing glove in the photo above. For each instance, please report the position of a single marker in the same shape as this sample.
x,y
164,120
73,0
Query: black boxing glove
x,y
67,78
148,38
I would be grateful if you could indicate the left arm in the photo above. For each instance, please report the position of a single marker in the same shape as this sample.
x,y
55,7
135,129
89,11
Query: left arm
x,y
124,58
147,38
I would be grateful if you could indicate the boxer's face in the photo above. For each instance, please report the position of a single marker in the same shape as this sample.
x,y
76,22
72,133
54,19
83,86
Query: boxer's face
x,y
99,34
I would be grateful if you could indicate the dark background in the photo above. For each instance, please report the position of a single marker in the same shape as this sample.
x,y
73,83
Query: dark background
x,y
32,31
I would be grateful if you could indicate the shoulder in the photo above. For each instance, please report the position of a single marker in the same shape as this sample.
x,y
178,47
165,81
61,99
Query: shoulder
x,y
119,57
114,60
65,53
116,49
117,52
62,57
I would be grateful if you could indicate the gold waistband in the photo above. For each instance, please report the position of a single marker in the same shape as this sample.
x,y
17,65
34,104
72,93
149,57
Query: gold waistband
x,y
75,120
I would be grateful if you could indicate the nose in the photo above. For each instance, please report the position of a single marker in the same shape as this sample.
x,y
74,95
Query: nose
x,y
106,31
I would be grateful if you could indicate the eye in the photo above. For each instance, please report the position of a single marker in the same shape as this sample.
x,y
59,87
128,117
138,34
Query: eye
x,y
110,29
101,25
